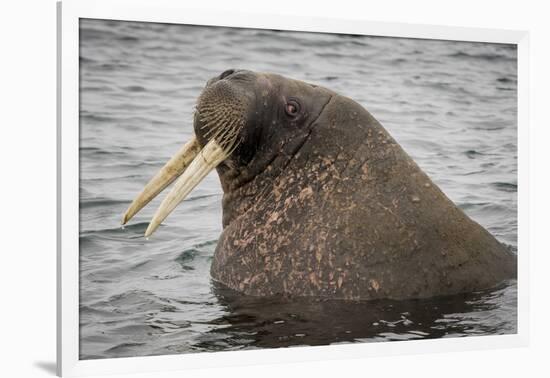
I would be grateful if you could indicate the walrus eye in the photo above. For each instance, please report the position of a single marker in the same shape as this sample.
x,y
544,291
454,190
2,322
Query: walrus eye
x,y
292,108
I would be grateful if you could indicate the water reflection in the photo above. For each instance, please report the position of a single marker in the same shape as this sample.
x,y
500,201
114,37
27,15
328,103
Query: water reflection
x,y
282,322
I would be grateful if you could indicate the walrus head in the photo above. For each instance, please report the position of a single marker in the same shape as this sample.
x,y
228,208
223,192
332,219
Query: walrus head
x,y
245,123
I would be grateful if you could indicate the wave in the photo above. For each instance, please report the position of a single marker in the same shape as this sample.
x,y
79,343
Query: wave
x,y
128,38
472,154
507,80
134,88
93,34
102,89
83,59
113,66
94,117
487,56
186,258
137,228
505,186
101,151
123,347
100,202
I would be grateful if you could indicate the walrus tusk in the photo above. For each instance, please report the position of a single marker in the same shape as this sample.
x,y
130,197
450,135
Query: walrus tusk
x,y
167,174
207,159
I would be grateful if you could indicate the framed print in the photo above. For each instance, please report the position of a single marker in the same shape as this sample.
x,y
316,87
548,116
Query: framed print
x,y
233,187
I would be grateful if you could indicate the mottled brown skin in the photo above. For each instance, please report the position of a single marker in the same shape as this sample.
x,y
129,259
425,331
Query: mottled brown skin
x,y
329,205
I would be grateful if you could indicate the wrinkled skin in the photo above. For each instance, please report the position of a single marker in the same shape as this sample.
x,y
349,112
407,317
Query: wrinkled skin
x,y
327,204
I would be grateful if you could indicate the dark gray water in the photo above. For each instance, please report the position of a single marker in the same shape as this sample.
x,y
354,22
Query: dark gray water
x,y
451,105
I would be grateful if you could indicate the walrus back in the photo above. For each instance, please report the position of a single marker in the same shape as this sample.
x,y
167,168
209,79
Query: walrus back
x,y
405,237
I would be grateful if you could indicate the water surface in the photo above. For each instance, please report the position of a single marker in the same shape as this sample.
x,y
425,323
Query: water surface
x,y
451,105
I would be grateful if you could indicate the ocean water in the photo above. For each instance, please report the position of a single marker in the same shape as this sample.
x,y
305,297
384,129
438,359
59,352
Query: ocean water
x,y
451,105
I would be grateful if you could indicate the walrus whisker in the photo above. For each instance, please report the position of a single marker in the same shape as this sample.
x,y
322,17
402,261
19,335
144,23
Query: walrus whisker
x,y
224,133
213,117
228,129
214,125
212,129
217,119
210,124
218,129
234,132
235,145
229,141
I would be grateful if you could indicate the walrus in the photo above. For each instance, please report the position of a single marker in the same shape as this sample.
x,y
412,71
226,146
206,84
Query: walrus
x,y
320,201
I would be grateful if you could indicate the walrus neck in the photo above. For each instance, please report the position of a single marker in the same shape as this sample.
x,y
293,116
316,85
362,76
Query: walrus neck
x,y
245,186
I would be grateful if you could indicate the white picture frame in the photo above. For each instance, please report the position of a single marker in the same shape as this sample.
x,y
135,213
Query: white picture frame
x,y
69,13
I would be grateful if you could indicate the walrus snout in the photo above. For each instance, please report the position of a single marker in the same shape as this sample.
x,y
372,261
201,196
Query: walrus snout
x,y
221,113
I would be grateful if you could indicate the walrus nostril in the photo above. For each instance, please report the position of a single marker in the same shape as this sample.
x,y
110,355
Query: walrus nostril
x,y
226,73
